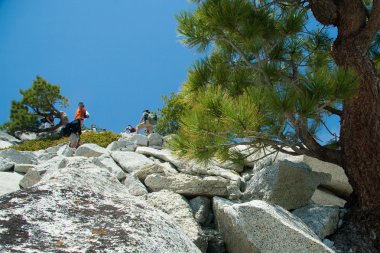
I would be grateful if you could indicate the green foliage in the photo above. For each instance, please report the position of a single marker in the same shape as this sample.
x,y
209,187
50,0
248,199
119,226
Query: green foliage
x,y
34,145
267,79
102,139
38,101
169,115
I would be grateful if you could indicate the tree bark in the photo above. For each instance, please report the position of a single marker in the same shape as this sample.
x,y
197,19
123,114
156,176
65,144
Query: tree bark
x,y
360,126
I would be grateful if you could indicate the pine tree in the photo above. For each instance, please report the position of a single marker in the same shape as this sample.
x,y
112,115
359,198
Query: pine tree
x,y
40,101
272,79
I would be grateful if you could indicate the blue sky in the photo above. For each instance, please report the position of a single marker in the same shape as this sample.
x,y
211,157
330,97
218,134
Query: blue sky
x,y
117,56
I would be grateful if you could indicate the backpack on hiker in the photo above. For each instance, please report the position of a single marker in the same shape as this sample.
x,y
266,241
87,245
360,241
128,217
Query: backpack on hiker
x,y
72,127
152,118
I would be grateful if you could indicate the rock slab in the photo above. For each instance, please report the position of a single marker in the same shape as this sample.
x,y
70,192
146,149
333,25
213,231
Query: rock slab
x,y
287,184
178,208
323,220
259,226
85,210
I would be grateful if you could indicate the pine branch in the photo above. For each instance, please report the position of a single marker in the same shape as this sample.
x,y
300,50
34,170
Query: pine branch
x,y
333,110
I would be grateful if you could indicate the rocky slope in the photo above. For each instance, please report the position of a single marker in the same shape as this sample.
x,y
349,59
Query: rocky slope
x,y
136,196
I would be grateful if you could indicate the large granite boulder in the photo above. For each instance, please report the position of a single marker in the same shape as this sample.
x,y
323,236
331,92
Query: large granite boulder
x,y
9,182
18,157
91,150
179,210
85,210
131,161
258,226
190,185
323,220
287,184
105,161
338,184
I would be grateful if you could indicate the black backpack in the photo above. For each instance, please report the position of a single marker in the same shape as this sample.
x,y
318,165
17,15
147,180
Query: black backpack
x,y
72,127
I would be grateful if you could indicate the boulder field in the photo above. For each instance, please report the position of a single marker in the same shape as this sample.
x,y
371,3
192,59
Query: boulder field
x,y
136,195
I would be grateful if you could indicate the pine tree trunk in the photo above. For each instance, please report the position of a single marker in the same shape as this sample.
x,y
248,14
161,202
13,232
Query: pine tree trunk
x,y
360,137
360,126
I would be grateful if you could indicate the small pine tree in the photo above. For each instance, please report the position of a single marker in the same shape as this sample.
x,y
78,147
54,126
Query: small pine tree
x,y
40,101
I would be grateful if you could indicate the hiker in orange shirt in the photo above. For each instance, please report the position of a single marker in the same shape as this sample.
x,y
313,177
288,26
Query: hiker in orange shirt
x,y
81,113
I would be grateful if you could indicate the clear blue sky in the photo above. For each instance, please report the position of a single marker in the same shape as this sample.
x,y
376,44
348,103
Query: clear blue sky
x,y
117,56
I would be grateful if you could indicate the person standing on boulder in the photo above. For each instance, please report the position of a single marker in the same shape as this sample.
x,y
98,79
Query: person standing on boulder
x,y
145,123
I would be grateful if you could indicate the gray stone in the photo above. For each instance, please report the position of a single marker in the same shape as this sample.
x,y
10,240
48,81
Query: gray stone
x,y
8,138
201,208
258,226
323,220
34,175
66,151
179,210
91,150
130,161
9,182
188,185
5,144
23,168
151,169
85,210
5,165
26,136
136,139
290,185
189,167
108,163
323,197
121,145
18,157
338,184
134,186
155,140
328,243
229,165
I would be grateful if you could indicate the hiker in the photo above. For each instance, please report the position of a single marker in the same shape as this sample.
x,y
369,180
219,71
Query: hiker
x,y
81,113
73,130
147,121
130,129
